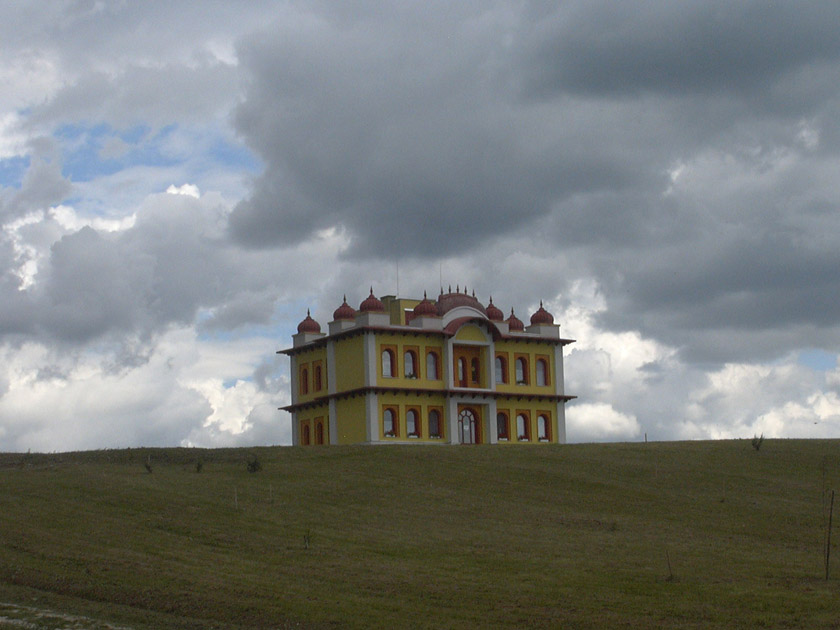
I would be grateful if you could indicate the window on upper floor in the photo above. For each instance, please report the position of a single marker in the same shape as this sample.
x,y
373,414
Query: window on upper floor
x,y
475,371
501,369
521,371
317,376
304,381
410,361
389,423
543,428
432,366
523,430
542,372
502,428
434,424
412,423
462,372
388,363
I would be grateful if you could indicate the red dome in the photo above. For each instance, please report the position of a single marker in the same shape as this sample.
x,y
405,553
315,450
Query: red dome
x,y
494,313
345,311
514,323
371,304
309,325
425,308
542,316
447,301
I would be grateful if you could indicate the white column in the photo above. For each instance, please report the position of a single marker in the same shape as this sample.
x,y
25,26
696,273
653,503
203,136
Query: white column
x,y
371,359
452,420
559,387
560,422
492,427
333,422
372,416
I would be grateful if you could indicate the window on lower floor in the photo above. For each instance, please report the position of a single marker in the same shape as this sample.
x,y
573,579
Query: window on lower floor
x,y
434,424
412,423
304,434
389,422
502,428
543,428
319,432
523,433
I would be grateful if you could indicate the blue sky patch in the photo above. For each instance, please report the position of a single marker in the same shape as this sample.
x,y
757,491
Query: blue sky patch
x,y
817,359
99,150
12,171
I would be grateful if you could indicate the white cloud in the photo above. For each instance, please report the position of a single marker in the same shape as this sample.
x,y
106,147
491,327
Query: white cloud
x,y
599,422
190,190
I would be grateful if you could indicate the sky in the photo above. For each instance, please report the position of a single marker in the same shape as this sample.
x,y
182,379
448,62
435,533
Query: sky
x,y
178,187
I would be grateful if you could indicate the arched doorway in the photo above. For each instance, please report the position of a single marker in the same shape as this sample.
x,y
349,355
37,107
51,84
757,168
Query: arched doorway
x,y
469,426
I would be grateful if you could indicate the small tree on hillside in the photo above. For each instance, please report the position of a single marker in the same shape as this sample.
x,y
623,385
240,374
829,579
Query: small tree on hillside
x,y
757,442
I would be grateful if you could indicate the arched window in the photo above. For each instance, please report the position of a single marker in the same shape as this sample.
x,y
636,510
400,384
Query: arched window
x,y
412,424
434,423
304,381
501,370
432,366
522,428
476,372
319,433
304,435
410,361
502,426
462,372
389,423
521,371
317,378
542,373
543,428
388,363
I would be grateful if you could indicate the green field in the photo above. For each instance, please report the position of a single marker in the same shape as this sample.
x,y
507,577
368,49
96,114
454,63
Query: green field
x,y
665,535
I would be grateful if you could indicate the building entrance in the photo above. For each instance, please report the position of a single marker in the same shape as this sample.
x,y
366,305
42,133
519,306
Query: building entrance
x,y
469,425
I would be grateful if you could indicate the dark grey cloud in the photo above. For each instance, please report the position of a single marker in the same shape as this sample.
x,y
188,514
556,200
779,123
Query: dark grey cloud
x,y
682,47
679,150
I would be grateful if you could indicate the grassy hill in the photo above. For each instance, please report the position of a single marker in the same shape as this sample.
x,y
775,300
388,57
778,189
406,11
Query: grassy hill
x,y
667,535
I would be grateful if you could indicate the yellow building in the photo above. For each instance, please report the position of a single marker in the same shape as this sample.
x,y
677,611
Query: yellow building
x,y
416,371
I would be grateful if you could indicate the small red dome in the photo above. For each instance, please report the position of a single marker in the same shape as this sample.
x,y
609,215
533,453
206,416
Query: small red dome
x,y
494,314
542,316
514,323
309,325
371,304
345,311
425,308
